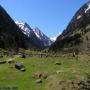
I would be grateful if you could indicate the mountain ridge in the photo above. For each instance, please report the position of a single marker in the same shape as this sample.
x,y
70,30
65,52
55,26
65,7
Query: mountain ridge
x,y
11,36
76,33
35,34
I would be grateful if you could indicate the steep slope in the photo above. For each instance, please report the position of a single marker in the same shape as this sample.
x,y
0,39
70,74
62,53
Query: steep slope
x,y
10,35
77,33
41,39
24,27
35,35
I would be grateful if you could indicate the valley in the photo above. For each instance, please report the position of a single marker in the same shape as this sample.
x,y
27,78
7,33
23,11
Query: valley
x,y
30,60
50,73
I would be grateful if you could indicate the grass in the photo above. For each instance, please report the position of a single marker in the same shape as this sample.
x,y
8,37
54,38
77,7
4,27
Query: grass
x,y
4,58
70,69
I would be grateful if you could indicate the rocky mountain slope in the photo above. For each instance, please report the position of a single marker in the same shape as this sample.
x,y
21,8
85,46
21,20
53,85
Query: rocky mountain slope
x,y
77,33
10,35
35,35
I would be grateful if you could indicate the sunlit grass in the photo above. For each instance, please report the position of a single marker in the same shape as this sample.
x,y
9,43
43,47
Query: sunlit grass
x,y
70,69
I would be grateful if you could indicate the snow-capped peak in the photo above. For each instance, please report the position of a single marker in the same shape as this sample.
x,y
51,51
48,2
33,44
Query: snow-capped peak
x,y
55,37
39,34
35,34
26,29
19,22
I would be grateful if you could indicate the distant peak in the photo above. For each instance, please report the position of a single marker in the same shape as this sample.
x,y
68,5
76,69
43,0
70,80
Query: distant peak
x,y
20,22
55,37
26,29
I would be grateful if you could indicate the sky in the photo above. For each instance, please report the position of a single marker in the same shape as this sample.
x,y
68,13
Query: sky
x,y
50,16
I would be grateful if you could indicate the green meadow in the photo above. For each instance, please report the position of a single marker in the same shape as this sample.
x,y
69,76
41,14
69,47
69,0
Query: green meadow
x,y
57,70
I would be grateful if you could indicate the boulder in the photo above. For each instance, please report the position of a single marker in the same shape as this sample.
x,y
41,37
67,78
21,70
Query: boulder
x,y
2,62
38,81
59,71
20,67
10,61
23,56
57,63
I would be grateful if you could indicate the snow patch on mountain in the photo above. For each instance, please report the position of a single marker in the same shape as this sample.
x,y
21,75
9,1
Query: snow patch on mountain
x,y
78,17
55,37
38,33
26,29
87,8
46,40
34,34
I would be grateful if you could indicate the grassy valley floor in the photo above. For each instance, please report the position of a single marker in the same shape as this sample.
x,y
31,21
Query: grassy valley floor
x,y
50,73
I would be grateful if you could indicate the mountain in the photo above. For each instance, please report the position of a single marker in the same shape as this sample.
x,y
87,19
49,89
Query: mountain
x,y
11,37
24,27
35,35
77,33
40,39
55,37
